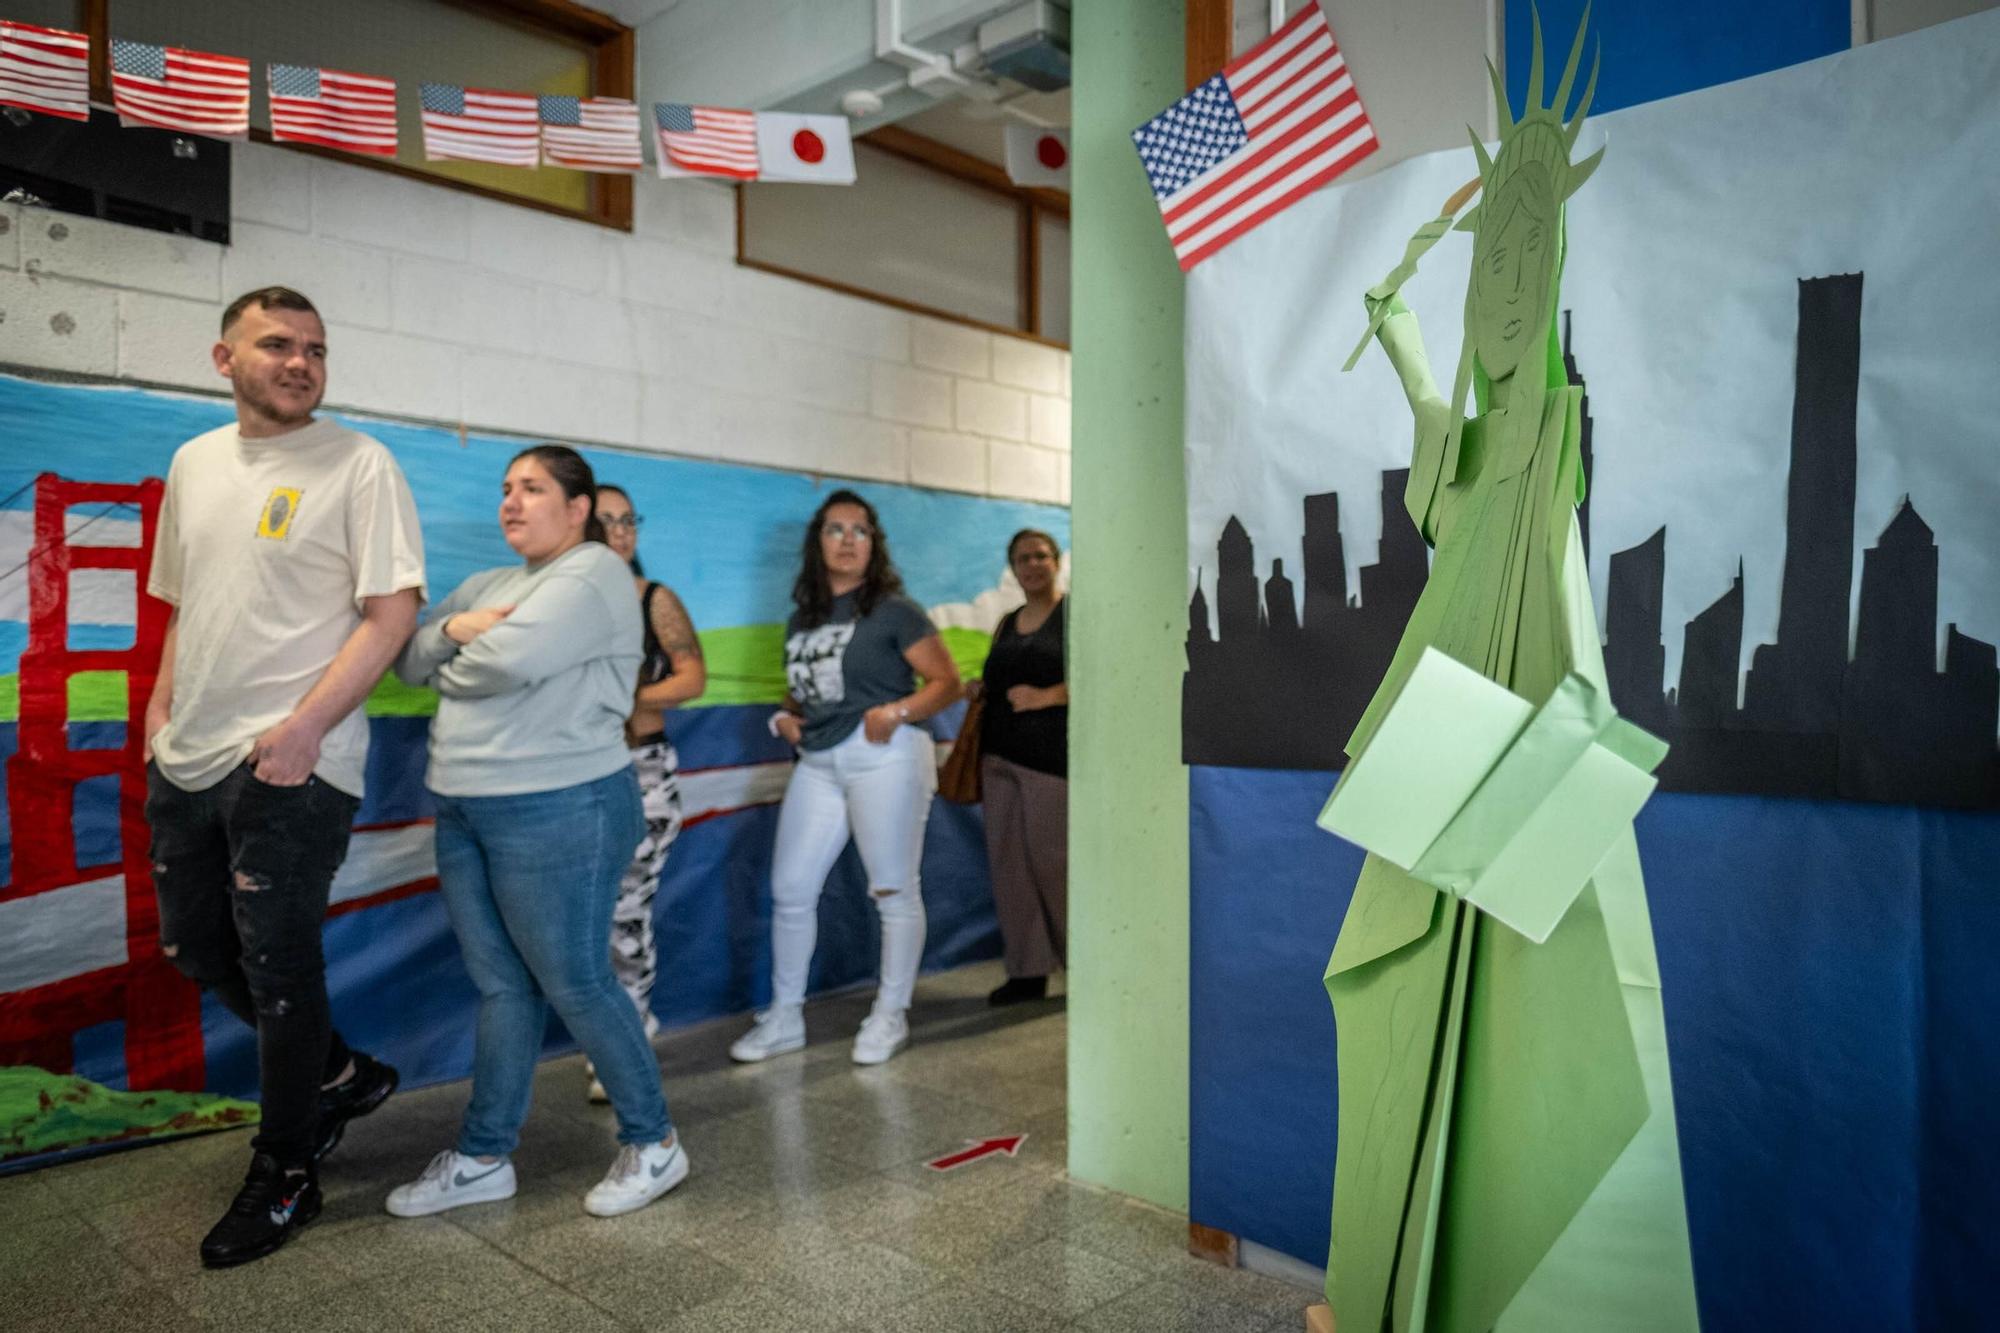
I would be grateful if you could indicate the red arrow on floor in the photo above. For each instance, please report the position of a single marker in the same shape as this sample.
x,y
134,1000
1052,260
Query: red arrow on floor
x,y
1009,1144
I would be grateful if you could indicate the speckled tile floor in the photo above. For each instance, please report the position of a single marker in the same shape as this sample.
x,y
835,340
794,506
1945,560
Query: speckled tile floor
x,y
809,1208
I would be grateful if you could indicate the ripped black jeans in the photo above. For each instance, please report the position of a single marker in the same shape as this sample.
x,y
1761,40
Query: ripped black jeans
x,y
242,870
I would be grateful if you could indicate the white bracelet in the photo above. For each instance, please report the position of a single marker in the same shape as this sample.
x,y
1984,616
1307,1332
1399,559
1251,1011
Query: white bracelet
x,y
771,722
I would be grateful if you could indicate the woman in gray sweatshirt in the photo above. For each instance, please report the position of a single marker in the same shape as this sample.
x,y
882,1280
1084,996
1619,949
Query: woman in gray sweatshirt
x,y
537,815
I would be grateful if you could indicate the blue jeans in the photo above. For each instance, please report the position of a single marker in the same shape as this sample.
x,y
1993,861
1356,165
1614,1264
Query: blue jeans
x,y
530,881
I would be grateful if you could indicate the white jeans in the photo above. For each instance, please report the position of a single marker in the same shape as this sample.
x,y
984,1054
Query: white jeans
x,y
881,794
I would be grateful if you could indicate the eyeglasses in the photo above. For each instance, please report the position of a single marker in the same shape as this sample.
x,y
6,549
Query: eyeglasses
x,y
861,532
623,521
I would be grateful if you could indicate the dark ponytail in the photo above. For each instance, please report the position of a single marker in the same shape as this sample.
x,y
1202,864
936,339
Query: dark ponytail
x,y
571,473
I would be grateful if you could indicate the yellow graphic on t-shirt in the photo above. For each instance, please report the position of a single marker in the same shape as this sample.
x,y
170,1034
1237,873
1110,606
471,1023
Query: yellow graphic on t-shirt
x,y
279,511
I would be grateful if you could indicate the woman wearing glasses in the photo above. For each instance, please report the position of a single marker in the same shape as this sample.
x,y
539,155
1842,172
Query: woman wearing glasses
x,y
672,673
855,647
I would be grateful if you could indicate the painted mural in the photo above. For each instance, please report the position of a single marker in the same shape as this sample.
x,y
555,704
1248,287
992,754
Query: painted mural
x,y
101,1041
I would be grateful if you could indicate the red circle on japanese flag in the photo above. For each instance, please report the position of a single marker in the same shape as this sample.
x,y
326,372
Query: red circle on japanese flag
x,y
1049,151
808,147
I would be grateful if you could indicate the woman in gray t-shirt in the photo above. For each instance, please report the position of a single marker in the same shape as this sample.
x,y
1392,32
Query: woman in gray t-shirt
x,y
854,649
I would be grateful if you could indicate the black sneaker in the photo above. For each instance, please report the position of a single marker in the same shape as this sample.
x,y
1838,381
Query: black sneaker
x,y
272,1204
1015,990
365,1089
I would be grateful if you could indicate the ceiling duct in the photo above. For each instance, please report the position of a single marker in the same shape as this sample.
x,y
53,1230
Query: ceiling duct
x,y
1028,44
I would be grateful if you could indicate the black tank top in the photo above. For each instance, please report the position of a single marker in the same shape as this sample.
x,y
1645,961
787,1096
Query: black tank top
x,y
656,665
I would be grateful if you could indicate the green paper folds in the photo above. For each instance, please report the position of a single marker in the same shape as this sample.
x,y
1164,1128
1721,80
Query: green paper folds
x,y
1485,797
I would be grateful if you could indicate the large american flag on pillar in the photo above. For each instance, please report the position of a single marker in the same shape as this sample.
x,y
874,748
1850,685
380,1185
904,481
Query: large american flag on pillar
x,y
334,109
480,125
45,70
591,133
164,87
1280,121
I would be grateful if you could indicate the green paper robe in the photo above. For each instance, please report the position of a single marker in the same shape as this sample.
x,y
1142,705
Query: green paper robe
x,y
1507,1155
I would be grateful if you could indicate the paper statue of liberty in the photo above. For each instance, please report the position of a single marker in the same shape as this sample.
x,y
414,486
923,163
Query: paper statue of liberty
x,y
1507,1155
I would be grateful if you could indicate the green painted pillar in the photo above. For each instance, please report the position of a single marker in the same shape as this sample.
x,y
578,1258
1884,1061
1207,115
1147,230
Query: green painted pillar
x,y
1128,900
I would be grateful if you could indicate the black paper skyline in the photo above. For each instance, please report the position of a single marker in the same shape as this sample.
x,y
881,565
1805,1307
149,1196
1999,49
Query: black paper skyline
x,y
1268,690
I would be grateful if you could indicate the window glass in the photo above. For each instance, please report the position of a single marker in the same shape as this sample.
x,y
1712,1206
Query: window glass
x,y
1053,274
903,230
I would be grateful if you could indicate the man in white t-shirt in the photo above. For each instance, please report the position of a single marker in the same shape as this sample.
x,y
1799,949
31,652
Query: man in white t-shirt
x,y
288,546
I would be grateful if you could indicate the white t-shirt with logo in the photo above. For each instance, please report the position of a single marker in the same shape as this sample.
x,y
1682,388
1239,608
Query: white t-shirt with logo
x,y
267,548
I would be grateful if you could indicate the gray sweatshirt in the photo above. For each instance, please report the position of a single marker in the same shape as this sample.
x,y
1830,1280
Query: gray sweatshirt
x,y
538,702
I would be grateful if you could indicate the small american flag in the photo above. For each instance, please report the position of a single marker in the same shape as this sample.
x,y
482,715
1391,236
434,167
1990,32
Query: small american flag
x,y
1276,124
706,141
45,70
591,133
479,125
333,109
170,89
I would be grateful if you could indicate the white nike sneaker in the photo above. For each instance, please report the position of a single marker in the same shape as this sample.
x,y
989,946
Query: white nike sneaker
x,y
780,1028
452,1180
881,1036
640,1174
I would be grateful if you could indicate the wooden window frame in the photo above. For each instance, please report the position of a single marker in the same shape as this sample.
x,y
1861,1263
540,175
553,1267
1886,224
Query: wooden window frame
x,y
612,47
1031,203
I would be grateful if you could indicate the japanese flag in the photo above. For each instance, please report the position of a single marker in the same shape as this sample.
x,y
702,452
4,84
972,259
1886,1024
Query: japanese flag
x,y
1038,156
813,149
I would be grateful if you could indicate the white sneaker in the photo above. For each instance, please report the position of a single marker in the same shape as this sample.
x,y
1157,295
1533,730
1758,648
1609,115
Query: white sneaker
x,y
881,1036
639,1175
452,1180
779,1029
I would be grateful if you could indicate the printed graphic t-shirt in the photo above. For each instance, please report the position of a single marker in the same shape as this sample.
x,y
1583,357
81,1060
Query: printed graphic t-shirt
x,y
267,547
840,670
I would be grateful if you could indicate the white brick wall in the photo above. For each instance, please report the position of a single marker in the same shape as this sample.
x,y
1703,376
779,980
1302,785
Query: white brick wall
x,y
59,325
992,409
1027,365
263,256
69,246
942,345
916,396
167,340
445,307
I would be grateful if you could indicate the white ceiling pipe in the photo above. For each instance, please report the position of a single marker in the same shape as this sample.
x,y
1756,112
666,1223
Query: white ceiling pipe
x,y
925,66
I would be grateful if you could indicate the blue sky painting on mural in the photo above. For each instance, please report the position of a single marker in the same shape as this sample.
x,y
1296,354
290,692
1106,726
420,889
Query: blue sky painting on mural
x,y
725,536
1654,50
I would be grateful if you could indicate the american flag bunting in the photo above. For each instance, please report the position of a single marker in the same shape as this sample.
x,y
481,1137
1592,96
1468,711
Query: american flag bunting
x,y
706,141
591,133
45,70
334,109
480,125
1278,122
167,88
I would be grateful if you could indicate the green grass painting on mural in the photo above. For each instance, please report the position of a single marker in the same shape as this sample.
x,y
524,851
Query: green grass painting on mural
x,y
745,666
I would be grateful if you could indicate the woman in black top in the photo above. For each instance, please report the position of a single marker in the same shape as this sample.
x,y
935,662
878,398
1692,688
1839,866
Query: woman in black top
x,y
673,672
1024,773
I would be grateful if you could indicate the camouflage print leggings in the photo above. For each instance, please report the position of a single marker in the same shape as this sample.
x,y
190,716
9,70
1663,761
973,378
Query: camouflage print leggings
x,y
634,960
